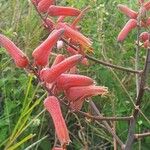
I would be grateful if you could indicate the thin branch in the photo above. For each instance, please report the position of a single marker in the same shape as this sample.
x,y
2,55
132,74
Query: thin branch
x,y
143,80
109,129
105,118
142,135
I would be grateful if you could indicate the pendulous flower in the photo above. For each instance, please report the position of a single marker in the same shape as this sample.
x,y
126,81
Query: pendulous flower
x,y
144,36
42,52
17,55
66,81
52,105
129,26
76,36
63,11
127,11
43,5
59,58
77,95
49,75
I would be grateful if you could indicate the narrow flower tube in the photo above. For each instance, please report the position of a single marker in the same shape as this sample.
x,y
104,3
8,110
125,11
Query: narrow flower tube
x,y
17,55
43,5
66,81
71,51
77,95
60,19
79,17
49,75
59,58
144,36
75,35
49,24
42,52
127,11
52,105
63,11
130,25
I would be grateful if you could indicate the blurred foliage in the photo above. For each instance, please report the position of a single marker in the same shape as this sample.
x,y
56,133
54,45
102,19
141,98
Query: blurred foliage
x,y
21,99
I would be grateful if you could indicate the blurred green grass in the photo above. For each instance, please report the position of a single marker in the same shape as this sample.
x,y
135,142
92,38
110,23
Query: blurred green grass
x,y
102,23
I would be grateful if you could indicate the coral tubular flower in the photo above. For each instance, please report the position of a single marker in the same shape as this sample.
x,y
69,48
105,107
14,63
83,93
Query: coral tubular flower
x,y
42,52
76,95
43,5
61,19
59,58
18,56
63,11
49,75
66,81
57,148
130,25
146,44
144,36
49,24
127,11
84,61
147,5
52,105
75,35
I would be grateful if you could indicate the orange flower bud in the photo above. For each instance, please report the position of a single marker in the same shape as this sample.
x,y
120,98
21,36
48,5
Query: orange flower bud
x,y
66,81
127,11
49,75
130,25
77,95
17,55
43,5
75,35
42,52
144,36
59,58
63,11
52,105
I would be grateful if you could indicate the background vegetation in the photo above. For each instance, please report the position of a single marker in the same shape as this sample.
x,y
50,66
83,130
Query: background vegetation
x,y
21,99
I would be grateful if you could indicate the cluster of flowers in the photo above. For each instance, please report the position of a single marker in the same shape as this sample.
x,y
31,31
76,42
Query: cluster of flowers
x,y
61,76
137,19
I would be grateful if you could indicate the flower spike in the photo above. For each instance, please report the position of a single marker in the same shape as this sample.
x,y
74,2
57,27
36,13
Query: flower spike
x,y
18,56
52,105
127,11
130,25
63,11
42,52
49,75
